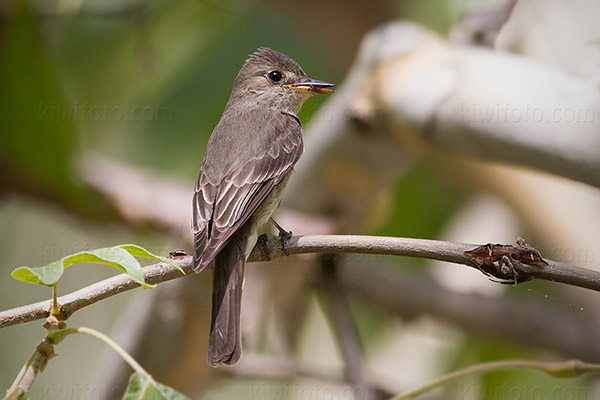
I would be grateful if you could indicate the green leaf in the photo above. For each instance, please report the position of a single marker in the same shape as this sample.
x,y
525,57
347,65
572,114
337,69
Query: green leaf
x,y
47,275
138,251
121,257
113,256
143,387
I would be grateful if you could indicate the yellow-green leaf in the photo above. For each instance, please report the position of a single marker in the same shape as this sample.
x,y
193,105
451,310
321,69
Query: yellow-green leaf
x,y
143,387
47,275
120,257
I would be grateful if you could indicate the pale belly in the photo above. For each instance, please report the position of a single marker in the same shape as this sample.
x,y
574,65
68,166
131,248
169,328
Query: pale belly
x,y
263,213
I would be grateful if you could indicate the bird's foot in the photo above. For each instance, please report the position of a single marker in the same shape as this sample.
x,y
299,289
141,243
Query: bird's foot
x,y
284,235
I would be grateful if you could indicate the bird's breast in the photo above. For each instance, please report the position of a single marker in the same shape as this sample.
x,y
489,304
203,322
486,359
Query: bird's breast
x,y
267,208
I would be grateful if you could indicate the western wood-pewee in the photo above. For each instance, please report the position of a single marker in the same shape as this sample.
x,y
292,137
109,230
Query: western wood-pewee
x,y
248,161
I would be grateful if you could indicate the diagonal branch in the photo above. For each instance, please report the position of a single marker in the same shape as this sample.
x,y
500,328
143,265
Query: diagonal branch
x,y
269,247
344,327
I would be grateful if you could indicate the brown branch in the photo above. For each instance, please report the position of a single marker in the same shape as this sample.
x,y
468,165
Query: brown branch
x,y
89,295
269,247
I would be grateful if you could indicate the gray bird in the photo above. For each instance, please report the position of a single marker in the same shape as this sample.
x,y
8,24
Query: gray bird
x,y
248,161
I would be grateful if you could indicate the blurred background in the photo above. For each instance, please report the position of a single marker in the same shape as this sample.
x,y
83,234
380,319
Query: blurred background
x,y
105,110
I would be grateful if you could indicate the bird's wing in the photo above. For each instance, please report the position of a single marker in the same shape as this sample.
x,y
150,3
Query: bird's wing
x,y
220,208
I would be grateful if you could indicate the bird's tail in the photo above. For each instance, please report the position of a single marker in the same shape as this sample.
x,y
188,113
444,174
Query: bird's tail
x,y
225,342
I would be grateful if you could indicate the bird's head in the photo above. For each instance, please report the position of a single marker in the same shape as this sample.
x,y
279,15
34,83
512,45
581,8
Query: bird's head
x,y
271,79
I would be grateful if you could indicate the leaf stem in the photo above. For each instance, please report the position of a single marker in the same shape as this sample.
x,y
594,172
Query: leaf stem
x,y
55,308
118,349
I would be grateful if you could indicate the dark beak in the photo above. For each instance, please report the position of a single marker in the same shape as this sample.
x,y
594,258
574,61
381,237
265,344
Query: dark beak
x,y
312,86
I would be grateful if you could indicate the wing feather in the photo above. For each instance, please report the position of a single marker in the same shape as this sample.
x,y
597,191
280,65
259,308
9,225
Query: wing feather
x,y
220,208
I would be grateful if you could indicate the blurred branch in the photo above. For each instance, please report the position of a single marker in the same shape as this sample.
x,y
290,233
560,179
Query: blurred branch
x,y
481,25
270,247
344,326
139,196
260,366
111,370
407,90
132,9
411,295
410,90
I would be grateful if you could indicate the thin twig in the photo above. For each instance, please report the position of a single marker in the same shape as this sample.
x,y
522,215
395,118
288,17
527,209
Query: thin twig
x,y
270,247
45,351
38,360
559,369
112,344
25,376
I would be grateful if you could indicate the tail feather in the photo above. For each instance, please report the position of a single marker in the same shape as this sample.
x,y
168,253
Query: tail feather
x,y
225,342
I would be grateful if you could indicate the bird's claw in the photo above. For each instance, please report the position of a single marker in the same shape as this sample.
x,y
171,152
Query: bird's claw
x,y
285,237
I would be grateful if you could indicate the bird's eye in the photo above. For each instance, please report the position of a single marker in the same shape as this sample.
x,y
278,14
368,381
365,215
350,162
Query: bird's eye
x,y
275,76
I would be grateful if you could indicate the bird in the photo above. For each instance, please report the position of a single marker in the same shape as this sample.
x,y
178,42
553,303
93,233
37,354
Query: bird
x,y
247,163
